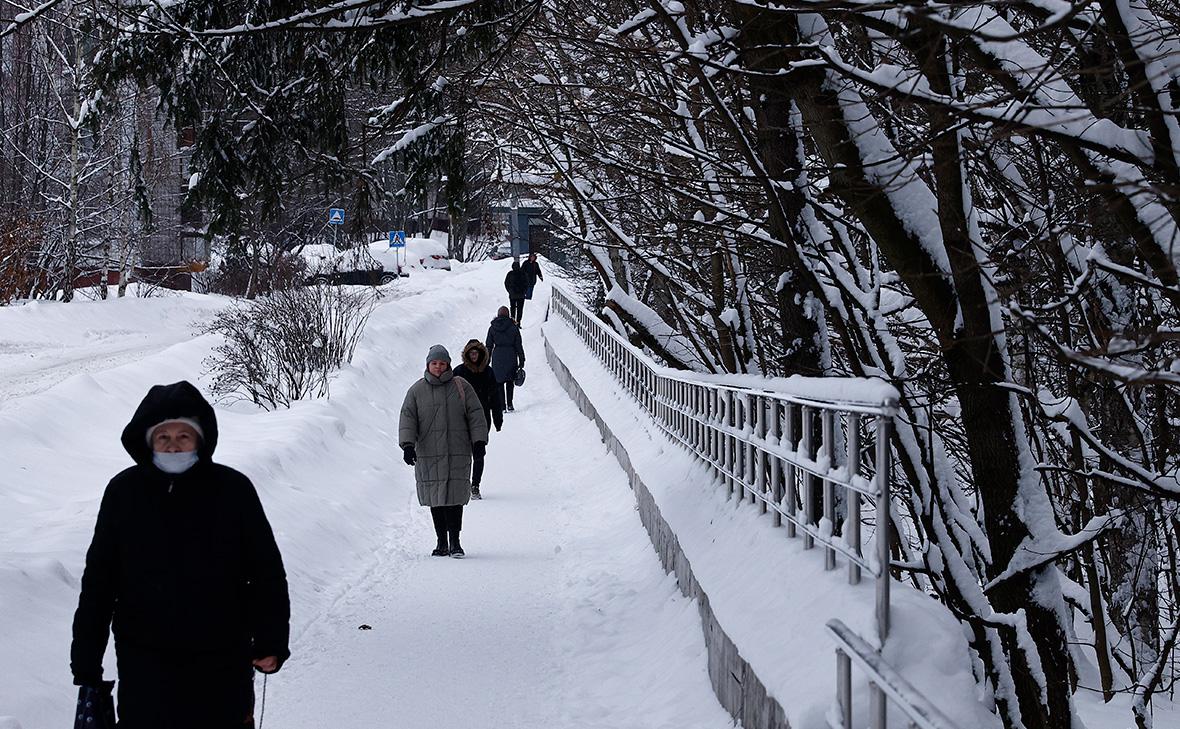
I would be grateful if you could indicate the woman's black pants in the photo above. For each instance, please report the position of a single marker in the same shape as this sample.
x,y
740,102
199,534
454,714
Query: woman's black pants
x,y
448,520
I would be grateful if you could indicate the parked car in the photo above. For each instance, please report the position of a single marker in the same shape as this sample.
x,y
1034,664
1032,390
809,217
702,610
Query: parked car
x,y
427,253
501,251
326,264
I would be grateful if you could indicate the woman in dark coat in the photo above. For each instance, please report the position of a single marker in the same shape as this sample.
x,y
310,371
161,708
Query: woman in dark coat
x,y
184,568
476,371
532,274
517,285
507,350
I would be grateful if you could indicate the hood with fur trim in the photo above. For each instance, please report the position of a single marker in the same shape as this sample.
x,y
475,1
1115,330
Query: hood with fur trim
x,y
482,363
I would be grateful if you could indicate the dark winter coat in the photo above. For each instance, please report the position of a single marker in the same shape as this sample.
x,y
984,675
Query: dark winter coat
x,y
441,417
481,379
186,571
532,272
516,282
506,348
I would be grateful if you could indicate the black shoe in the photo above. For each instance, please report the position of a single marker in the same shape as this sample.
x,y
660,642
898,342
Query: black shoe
x,y
442,550
511,409
457,552
475,493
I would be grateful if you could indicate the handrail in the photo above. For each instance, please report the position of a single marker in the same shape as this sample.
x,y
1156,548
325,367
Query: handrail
x,y
887,682
796,455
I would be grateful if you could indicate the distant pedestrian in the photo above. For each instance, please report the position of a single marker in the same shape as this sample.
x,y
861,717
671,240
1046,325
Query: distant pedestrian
x,y
442,428
475,369
507,350
532,274
517,285
184,567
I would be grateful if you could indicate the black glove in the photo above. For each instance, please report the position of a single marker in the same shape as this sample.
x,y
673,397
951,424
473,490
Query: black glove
x,y
479,448
96,708
409,455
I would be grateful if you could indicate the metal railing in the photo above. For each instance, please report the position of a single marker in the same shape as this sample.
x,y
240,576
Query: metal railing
x,y
885,682
798,453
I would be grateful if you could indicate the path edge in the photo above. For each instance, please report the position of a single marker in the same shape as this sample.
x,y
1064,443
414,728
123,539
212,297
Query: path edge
x,y
737,687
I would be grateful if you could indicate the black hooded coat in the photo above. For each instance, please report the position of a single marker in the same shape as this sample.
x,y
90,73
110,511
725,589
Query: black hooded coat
x,y
185,570
483,381
516,283
507,349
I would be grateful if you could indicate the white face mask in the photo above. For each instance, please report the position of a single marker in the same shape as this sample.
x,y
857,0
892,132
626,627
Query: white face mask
x,y
175,463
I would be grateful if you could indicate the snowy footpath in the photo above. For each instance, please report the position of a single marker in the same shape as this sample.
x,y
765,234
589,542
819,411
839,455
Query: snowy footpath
x,y
560,616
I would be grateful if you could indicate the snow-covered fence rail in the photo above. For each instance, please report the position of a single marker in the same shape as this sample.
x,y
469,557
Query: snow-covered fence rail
x,y
798,448
886,682
793,445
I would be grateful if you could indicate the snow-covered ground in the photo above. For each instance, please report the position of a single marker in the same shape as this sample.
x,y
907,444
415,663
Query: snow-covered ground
x,y
560,615
43,343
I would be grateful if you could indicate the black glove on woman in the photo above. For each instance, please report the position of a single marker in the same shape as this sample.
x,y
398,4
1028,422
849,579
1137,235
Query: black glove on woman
x,y
409,455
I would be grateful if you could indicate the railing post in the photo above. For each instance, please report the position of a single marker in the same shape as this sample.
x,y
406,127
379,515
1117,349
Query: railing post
x,y
753,425
852,525
789,472
884,528
727,446
694,424
808,480
715,425
827,418
774,477
844,688
878,707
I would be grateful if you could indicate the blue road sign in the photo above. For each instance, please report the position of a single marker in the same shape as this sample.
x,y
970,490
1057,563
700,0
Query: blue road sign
x,y
397,239
335,216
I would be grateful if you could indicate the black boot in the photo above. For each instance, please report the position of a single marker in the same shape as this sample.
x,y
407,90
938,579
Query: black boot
x,y
456,548
439,515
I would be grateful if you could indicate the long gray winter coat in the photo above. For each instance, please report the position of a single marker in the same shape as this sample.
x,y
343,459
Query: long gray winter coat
x,y
441,417
507,350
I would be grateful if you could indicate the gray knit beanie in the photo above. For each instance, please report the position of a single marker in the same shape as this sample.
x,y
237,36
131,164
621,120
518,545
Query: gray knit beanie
x,y
438,352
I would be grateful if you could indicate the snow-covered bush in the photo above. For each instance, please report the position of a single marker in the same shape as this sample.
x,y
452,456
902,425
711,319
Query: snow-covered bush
x,y
286,346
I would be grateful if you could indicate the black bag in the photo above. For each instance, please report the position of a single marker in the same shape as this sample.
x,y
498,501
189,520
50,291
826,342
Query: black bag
x,y
519,376
96,707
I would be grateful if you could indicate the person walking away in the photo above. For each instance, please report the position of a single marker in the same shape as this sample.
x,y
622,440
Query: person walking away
x,y
184,568
517,285
532,274
507,350
478,374
442,427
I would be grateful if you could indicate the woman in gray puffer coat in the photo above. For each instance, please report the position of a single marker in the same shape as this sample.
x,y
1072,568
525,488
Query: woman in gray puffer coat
x,y
442,426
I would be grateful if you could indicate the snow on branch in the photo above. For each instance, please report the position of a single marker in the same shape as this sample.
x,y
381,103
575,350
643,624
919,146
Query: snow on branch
x,y
413,136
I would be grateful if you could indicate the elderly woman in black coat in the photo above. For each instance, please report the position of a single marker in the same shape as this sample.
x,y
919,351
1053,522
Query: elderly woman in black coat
x,y
184,569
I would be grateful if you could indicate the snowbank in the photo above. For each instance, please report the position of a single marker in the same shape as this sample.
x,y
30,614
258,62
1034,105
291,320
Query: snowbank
x,y
329,472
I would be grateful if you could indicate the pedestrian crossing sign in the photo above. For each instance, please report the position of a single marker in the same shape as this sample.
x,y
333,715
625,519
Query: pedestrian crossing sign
x,y
335,216
397,239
